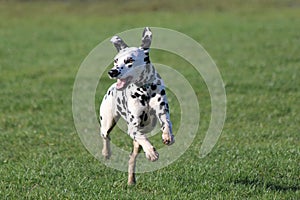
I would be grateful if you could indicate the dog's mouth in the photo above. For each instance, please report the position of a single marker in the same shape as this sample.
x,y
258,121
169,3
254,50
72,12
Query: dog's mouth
x,y
123,82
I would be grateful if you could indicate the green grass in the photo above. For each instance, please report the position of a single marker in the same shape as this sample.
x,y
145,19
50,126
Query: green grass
x,y
256,47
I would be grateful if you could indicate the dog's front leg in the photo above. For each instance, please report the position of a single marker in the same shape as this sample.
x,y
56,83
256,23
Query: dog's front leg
x,y
108,119
159,105
166,128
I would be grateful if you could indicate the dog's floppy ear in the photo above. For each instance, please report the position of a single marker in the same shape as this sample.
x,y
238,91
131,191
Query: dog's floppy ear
x,y
146,38
118,43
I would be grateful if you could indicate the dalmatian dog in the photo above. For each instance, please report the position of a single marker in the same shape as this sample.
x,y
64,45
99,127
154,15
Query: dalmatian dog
x,y
138,96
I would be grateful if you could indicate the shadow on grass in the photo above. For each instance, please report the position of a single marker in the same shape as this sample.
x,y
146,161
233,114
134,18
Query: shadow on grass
x,y
267,185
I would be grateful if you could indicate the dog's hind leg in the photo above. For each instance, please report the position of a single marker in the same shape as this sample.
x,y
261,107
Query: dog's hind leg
x,y
132,162
135,133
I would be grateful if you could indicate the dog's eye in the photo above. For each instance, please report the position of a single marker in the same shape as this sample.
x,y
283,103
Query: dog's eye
x,y
129,60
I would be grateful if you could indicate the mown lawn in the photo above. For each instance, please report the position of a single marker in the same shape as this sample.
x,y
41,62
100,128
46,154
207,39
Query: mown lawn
x,y
256,48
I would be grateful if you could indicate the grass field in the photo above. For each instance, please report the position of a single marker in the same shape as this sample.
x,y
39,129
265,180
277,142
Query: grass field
x,y
256,47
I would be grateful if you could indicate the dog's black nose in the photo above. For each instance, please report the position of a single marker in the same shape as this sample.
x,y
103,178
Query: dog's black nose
x,y
113,73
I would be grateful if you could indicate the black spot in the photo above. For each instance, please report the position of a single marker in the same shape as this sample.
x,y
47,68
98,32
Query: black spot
x,y
147,60
144,97
142,116
129,66
162,103
133,96
123,113
119,112
143,102
118,100
119,108
108,92
100,117
159,99
159,115
167,107
163,92
137,94
131,118
123,102
153,95
153,87
145,117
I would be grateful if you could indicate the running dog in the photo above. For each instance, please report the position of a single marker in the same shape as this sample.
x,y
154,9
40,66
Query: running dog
x,y
138,96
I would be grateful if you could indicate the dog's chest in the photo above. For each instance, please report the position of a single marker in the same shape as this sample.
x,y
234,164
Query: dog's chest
x,y
133,99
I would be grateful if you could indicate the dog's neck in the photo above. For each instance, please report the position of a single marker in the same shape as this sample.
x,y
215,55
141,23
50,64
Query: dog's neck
x,y
148,76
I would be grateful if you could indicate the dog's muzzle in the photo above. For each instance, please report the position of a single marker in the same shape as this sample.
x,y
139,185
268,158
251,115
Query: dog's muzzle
x,y
113,73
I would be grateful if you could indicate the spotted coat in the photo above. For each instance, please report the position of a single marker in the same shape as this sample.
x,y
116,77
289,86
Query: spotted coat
x,y
141,105
138,96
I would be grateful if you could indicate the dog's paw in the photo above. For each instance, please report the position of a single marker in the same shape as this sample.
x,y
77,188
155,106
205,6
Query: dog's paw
x,y
168,139
152,154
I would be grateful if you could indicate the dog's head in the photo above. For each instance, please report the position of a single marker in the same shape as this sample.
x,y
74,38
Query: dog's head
x,y
130,62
